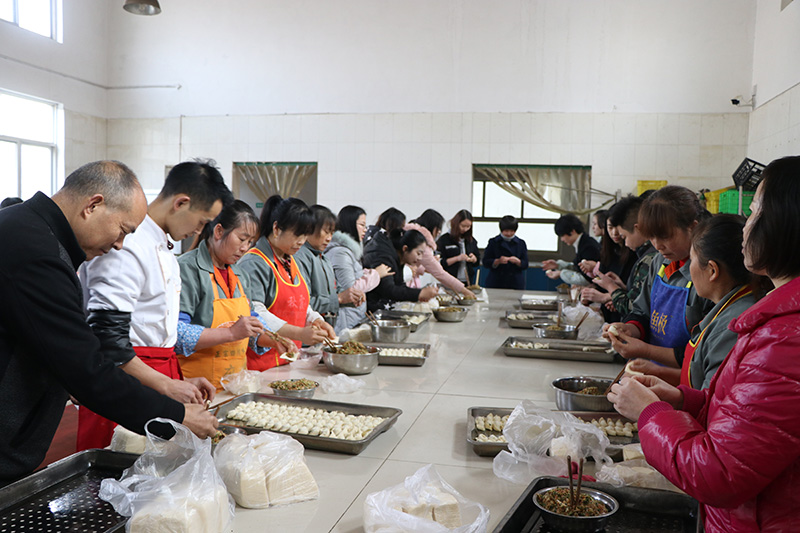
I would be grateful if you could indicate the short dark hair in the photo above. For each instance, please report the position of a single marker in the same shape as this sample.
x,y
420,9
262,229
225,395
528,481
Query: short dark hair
x,y
431,220
566,224
11,200
669,208
719,239
200,180
347,218
290,214
114,180
625,213
323,217
773,236
460,217
234,215
508,222
411,238
391,219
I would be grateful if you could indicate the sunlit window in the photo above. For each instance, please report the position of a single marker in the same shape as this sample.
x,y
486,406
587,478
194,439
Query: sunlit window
x,y
39,16
30,135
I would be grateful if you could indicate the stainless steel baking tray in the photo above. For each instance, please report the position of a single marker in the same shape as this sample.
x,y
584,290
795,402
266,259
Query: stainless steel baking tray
x,y
651,510
485,449
63,496
397,314
588,416
565,350
539,303
539,317
352,447
396,360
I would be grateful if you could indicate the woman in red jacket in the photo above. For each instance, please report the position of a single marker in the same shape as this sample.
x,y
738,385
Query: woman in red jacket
x,y
735,446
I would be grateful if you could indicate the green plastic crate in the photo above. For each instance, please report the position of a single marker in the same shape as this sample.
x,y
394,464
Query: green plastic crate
x,y
729,202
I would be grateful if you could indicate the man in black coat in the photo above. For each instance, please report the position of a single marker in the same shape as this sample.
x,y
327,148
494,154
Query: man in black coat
x,y
47,350
570,231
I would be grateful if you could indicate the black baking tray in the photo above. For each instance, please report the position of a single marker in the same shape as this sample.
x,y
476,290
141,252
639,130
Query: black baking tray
x,y
650,510
64,496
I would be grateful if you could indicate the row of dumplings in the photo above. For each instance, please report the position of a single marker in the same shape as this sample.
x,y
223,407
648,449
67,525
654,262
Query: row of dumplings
x,y
615,428
483,437
490,422
403,352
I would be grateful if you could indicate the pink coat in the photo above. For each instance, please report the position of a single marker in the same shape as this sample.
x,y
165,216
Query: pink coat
x,y
735,446
430,264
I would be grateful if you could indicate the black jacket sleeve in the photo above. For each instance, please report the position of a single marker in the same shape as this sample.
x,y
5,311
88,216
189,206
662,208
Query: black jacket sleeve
x,y
390,287
112,329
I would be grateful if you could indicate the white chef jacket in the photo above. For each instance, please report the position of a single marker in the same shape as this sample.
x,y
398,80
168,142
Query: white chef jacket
x,y
144,279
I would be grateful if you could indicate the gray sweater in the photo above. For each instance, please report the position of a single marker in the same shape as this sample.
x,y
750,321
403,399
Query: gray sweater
x,y
318,272
344,255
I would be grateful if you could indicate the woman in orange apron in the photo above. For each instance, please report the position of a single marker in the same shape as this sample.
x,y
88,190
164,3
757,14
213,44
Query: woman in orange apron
x,y
276,286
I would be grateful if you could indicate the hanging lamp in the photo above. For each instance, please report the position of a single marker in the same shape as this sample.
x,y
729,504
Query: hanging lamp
x,y
142,7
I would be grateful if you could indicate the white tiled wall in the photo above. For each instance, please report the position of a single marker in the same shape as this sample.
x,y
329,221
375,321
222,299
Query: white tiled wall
x,y
85,138
775,127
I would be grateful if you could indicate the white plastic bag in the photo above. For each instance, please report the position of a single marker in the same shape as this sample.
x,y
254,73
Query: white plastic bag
x,y
635,473
592,327
530,431
172,488
360,333
308,358
264,469
242,382
340,383
423,503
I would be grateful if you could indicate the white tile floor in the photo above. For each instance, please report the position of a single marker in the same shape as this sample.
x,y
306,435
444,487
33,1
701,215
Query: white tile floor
x,y
466,369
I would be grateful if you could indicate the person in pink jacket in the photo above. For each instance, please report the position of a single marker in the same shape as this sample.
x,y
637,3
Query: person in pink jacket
x,y
735,446
429,223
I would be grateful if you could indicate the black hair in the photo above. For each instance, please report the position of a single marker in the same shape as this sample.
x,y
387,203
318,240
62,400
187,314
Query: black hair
x,y
234,215
625,213
669,208
11,200
602,217
323,217
391,219
719,239
114,180
200,181
610,251
431,220
411,238
290,214
773,235
456,221
508,222
566,224
346,220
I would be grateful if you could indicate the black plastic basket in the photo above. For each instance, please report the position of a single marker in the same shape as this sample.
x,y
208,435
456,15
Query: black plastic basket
x,y
748,175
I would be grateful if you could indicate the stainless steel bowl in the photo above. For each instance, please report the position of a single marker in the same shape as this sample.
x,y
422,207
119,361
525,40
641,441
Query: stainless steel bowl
x,y
227,430
297,393
450,316
578,524
466,301
568,399
390,330
351,364
546,331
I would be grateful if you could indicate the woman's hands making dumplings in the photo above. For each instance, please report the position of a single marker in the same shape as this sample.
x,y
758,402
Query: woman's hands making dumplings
x,y
633,394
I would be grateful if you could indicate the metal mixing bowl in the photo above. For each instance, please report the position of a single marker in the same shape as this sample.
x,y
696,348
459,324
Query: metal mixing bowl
x,y
351,364
466,301
390,330
298,393
542,331
578,524
568,399
450,316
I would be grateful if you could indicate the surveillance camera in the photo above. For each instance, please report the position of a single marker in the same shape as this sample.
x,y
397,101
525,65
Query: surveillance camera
x,y
735,101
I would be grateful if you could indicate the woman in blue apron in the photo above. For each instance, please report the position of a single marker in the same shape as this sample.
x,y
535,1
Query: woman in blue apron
x,y
668,308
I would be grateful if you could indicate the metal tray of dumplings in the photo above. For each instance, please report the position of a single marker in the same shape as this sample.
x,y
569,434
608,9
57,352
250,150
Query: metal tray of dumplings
x,y
616,441
531,317
485,449
394,314
651,510
400,360
538,303
352,447
565,350
63,496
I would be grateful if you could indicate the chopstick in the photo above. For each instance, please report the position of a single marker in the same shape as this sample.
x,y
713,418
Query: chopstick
x,y
578,325
569,475
372,318
580,478
619,376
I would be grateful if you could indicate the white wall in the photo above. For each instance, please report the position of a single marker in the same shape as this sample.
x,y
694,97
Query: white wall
x,y
776,53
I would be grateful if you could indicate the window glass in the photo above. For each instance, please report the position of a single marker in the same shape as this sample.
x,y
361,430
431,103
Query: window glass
x,y
34,15
538,236
8,169
7,10
477,198
483,231
26,119
500,203
37,170
531,211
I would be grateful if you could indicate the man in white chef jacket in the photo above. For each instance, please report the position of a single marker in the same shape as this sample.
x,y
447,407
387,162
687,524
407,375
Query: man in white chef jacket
x,y
132,295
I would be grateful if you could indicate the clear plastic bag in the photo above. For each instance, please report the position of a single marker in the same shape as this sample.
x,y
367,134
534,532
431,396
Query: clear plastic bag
x,y
635,473
340,383
242,382
360,333
592,327
530,431
308,358
172,488
423,503
264,469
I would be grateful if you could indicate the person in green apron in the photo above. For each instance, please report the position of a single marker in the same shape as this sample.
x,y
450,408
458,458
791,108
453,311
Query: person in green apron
x,y
668,307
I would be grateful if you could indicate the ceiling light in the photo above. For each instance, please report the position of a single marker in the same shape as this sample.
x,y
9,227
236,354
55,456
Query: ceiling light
x,y
142,7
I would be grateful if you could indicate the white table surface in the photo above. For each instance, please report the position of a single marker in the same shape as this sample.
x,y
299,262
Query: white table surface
x,y
466,368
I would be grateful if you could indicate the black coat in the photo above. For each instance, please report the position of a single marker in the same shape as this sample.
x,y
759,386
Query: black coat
x,y
588,249
448,247
379,251
508,276
47,350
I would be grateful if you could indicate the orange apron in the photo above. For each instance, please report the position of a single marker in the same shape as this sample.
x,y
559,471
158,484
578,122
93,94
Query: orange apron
x,y
94,431
217,361
290,304
691,347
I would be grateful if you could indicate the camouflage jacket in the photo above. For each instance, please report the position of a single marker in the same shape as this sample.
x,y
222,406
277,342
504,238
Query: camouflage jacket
x,y
623,298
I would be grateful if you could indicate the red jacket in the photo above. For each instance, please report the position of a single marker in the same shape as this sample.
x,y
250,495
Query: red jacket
x,y
735,446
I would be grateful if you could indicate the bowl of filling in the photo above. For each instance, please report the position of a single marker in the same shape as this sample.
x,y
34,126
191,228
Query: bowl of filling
x,y
351,358
294,388
450,314
390,330
555,331
582,393
223,431
589,514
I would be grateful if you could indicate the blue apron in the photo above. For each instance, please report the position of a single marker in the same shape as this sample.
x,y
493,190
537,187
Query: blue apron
x,y
668,313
